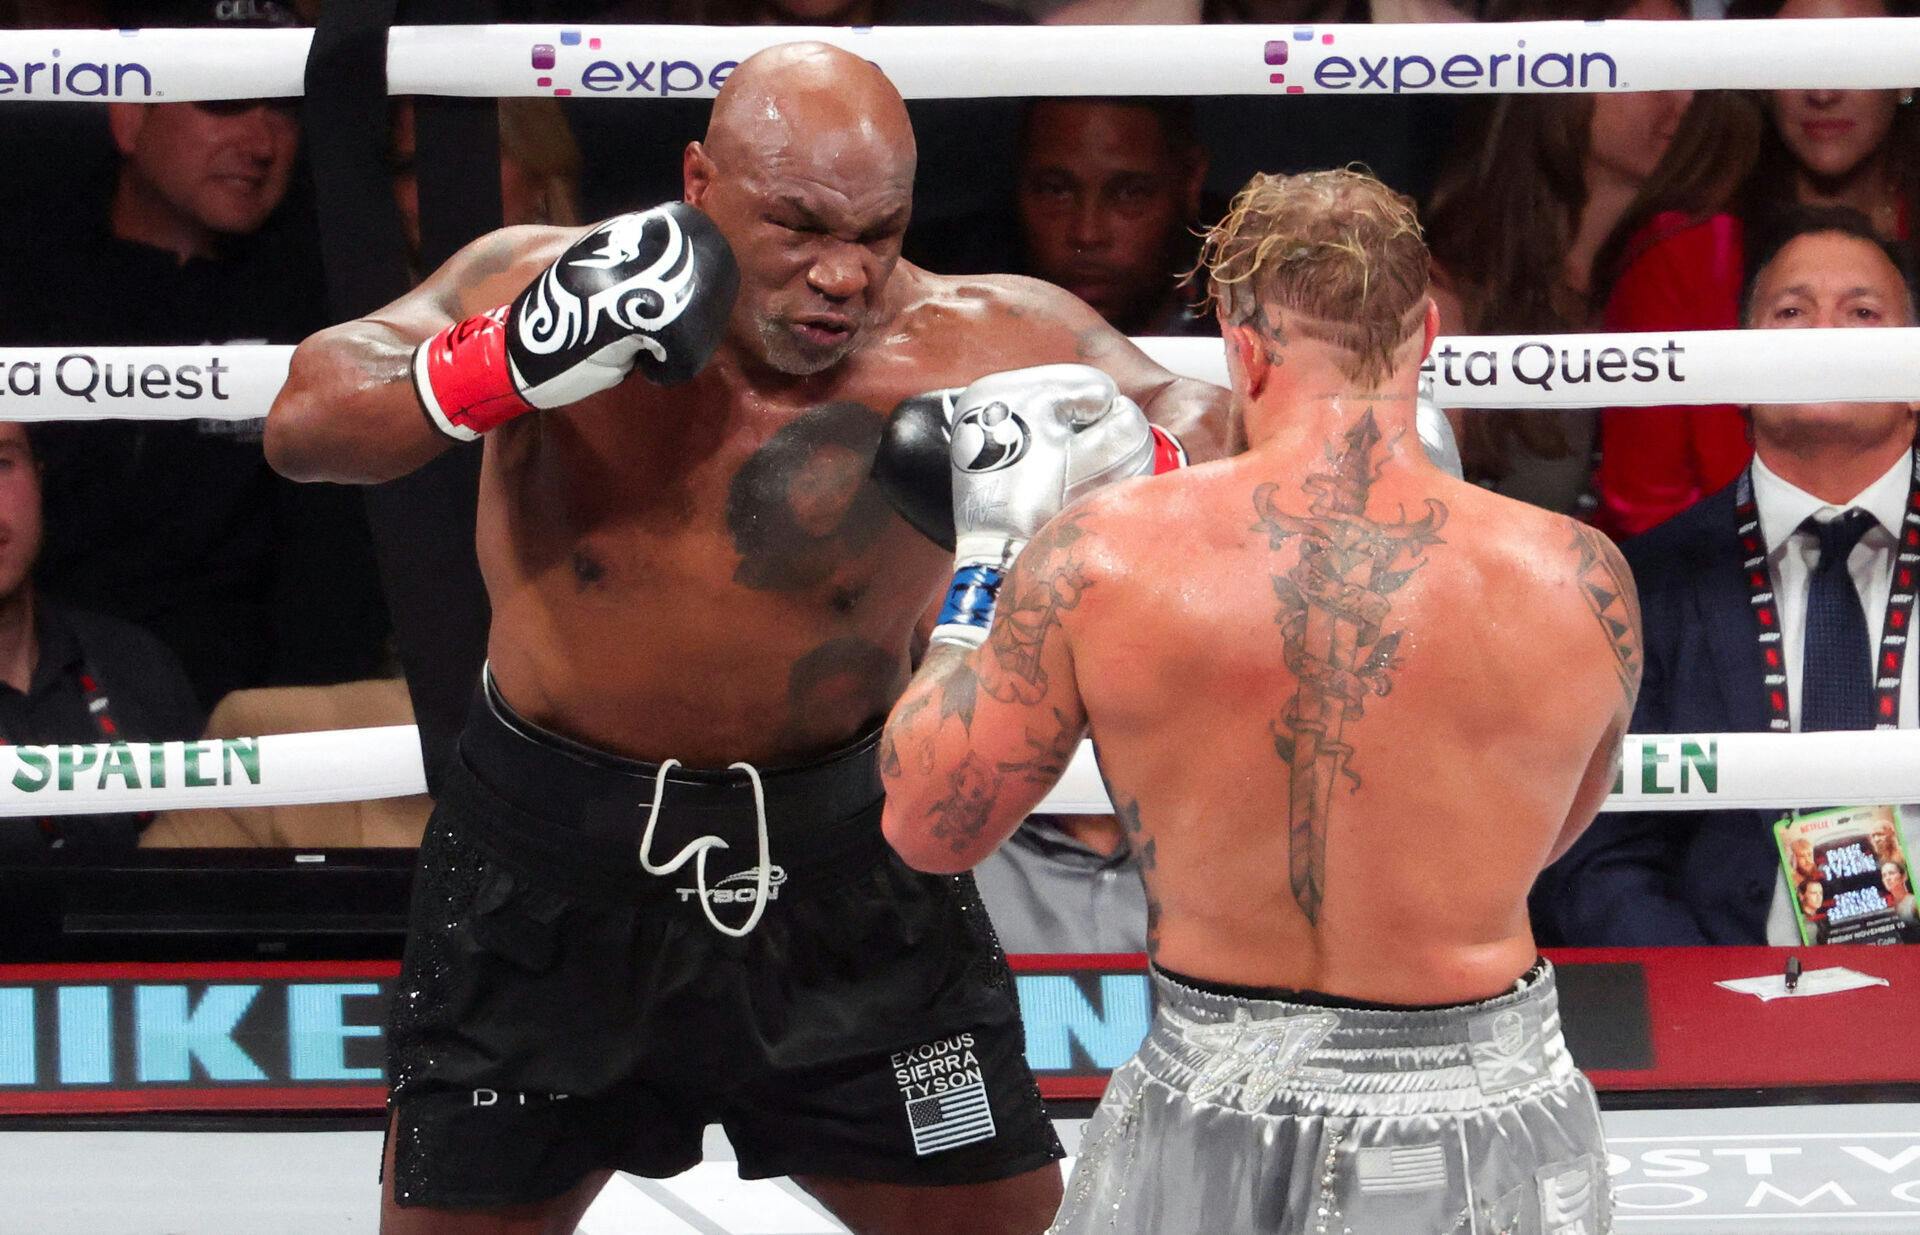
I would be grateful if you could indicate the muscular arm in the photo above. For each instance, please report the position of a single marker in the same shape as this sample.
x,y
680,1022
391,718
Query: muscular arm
x,y
1607,589
348,411
981,735
1199,413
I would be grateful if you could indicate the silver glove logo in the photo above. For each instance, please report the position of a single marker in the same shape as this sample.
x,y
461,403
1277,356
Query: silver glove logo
x,y
989,438
556,318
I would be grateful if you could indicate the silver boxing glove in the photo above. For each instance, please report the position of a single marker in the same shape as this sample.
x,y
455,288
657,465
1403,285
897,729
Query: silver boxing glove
x,y
1026,444
1436,431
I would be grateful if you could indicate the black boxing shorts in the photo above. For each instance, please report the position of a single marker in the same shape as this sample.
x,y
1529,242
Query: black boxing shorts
x,y
562,1011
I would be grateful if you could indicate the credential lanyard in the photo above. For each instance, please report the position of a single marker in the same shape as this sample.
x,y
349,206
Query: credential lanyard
x,y
1894,628
100,711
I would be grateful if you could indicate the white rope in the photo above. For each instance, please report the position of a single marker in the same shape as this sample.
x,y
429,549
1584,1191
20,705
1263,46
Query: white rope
x,y
993,61
1677,772
1840,365
342,765
239,381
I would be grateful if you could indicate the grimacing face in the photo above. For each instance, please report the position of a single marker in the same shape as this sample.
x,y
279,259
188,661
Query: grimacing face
x,y
817,237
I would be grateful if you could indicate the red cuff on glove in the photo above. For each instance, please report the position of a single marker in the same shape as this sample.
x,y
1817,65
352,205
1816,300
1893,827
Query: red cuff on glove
x,y
464,379
1168,453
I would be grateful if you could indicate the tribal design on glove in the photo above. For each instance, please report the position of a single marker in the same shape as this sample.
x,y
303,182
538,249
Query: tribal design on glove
x,y
1333,612
557,318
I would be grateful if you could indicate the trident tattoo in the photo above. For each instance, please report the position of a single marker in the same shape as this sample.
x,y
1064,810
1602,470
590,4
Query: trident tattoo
x,y
1333,606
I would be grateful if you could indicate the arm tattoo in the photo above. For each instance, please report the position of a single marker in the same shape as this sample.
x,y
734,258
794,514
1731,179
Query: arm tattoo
x,y
960,692
1048,752
962,814
1049,580
1607,586
902,722
1333,614
945,675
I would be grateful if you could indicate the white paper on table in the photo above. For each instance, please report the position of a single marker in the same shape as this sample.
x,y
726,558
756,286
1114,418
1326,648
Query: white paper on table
x,y
1826,981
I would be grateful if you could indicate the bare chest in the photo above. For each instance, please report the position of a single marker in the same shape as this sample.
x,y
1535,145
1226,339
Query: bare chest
x,y
712,491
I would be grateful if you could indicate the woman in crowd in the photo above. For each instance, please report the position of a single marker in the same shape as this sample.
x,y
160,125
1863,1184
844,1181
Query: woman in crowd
x,y
1858,148
1522,216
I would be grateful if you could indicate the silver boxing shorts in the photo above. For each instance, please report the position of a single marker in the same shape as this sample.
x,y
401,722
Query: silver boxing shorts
x,y
1256,1115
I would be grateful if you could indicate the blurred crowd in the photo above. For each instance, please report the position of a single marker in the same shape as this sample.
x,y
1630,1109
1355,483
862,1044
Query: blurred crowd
x,y
157,580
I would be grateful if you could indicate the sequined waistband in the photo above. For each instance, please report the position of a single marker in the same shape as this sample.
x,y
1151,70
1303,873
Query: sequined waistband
x,y
1262,1054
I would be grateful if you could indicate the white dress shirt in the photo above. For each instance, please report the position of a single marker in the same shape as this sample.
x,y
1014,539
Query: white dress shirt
x,y
1791,557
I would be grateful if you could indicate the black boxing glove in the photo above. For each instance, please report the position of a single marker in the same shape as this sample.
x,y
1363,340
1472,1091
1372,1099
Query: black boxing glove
x,y
912,466
649,292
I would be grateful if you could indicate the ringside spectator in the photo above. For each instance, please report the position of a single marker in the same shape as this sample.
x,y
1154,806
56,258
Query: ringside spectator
x,y
1858,148
71,676
1398,137
1108,199
1830,486
1527,203
179,525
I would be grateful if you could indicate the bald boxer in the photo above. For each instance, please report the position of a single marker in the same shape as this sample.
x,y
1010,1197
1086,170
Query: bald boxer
x,y
1347,707
655,895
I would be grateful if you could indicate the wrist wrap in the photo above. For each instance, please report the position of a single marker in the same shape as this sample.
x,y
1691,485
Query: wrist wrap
x,y
968,611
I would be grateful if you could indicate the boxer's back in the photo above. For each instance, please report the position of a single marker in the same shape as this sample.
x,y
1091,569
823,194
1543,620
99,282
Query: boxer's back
x,y
1348,705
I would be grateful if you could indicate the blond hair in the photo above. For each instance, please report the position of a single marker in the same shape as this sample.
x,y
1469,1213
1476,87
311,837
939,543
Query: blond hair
x,y
1334,255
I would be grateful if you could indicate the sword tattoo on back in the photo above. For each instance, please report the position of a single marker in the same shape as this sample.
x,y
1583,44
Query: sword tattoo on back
x,y
1332,619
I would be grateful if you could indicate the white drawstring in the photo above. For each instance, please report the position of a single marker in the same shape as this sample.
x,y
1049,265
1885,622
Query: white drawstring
x,y
698,849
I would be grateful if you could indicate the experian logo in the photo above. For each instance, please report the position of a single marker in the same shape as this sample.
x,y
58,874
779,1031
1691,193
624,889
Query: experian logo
x,y
1463,71
89,79
663,77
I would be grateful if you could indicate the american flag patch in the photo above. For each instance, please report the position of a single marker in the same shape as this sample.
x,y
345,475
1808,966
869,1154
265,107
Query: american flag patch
x,y
1414,1168
959,1116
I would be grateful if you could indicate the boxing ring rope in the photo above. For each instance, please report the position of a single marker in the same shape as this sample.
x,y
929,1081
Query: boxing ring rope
x,y
1706,771
989,61
1657,773
237,382
1836,365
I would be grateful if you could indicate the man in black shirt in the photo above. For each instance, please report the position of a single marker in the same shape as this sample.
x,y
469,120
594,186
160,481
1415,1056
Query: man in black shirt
x,y
70,676
180,526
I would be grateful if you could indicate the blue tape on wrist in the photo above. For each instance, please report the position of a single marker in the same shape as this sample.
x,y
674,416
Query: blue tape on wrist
x,y
971,597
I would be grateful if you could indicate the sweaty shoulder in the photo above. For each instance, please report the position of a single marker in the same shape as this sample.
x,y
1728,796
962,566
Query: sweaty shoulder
x,y
1014,311
495,268
1585,589
1123,528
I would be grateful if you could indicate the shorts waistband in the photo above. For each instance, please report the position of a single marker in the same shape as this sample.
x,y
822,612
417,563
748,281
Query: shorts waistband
x,y
559,805
1320,999
1269,1053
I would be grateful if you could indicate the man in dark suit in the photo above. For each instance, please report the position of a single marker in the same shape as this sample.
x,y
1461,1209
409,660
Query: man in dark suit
x,y
1830,483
